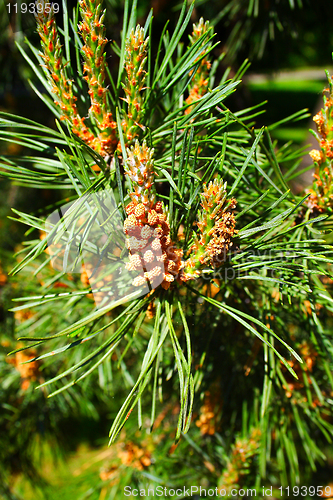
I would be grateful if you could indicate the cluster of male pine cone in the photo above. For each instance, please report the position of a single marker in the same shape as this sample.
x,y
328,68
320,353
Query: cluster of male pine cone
x,y
151,251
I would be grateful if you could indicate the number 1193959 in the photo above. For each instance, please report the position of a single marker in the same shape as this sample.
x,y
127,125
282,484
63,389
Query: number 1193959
x,y
318,491
33,8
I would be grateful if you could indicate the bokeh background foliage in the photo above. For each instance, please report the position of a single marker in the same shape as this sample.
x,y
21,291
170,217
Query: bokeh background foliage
x,y
253,424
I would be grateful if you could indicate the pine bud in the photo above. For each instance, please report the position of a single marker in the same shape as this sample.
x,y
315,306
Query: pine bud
x,y
93,34
147,226
216,223
321,194
135,61
61,85
200,80
139,168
